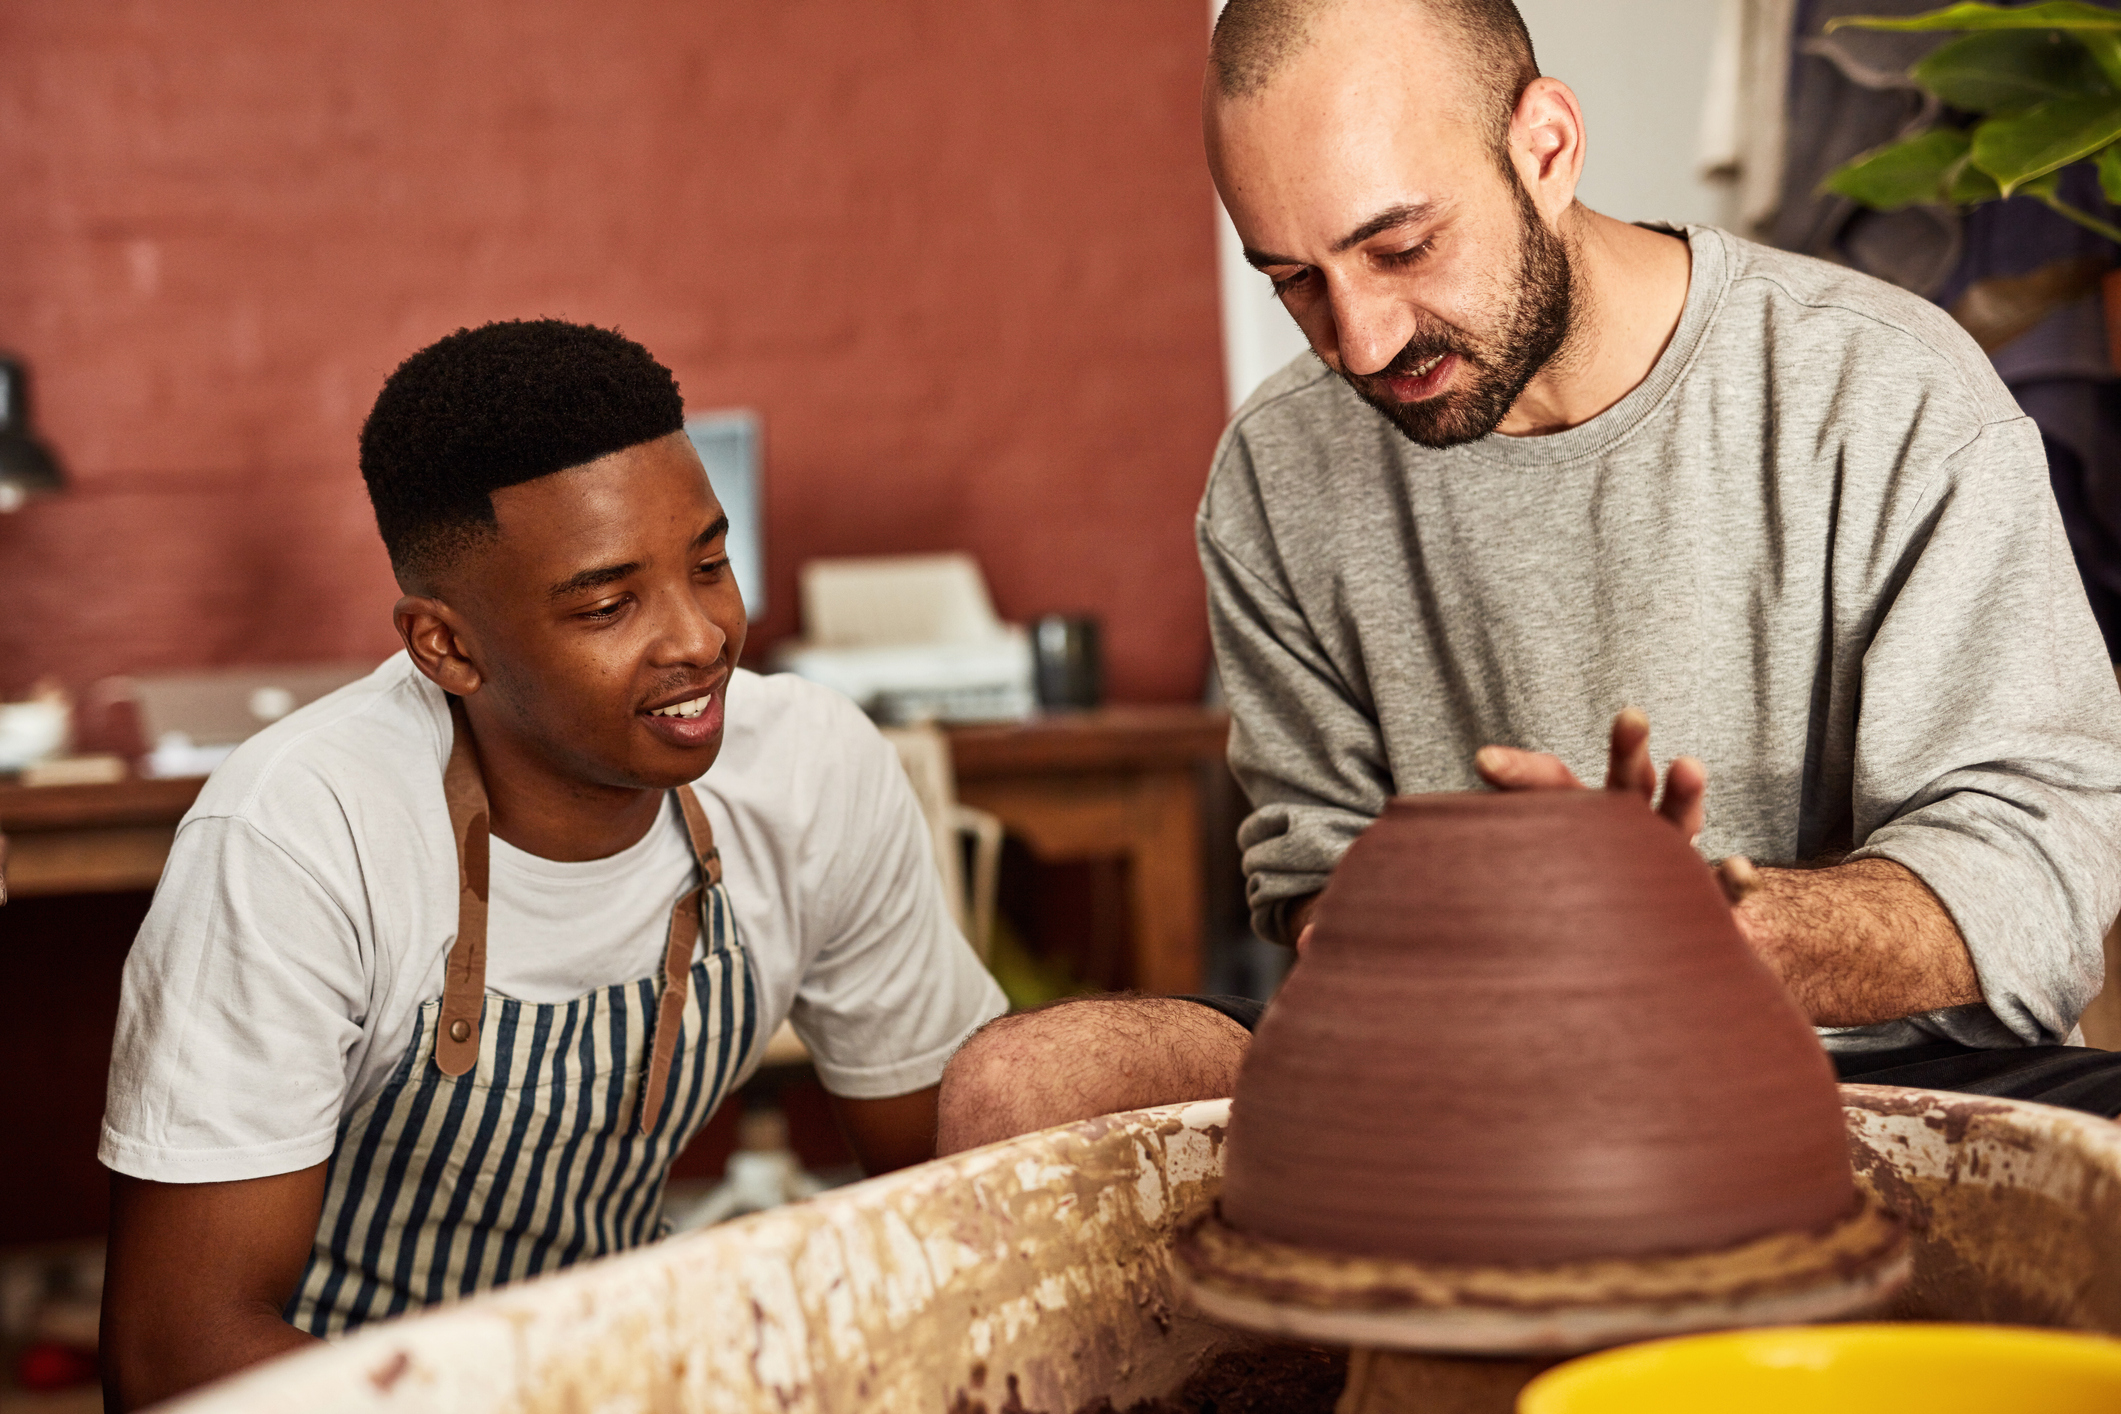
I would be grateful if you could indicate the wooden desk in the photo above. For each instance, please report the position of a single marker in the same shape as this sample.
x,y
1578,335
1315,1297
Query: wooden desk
x,y
90,839
1117,782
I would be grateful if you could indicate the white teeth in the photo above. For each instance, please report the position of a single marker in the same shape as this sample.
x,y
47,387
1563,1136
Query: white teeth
x,y
682,709
1423,371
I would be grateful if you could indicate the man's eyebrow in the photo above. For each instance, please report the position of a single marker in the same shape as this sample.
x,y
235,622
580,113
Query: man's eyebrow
x,y
1402,215
592,579
611,574
1405,214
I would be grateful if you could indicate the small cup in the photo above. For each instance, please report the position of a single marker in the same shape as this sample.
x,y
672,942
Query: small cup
x,y
1069,662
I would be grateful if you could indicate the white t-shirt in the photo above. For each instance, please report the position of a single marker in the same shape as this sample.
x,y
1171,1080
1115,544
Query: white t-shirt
x,y
310,902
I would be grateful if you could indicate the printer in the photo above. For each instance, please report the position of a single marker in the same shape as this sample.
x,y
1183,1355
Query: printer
x,y
911,638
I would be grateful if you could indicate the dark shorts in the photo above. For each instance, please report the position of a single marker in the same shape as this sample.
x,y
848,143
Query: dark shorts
x,y
1242,1010
2074,1077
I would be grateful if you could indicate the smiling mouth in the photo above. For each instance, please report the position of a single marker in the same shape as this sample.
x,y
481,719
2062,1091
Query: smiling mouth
x,y
692,708
1421,382
691,724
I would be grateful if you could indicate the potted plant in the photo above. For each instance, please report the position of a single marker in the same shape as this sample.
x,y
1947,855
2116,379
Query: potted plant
x,y
2042,87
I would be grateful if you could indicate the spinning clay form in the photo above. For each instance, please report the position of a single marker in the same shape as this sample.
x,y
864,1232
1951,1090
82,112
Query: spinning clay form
x,y
1527,1031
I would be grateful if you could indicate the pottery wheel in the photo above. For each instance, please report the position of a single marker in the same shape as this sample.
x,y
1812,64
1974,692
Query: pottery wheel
x,y
1560,1309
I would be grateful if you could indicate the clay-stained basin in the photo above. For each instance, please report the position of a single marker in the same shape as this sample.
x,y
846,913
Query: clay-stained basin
x,y
1037,1275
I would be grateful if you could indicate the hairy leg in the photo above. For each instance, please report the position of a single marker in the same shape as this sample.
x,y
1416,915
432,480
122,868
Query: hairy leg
x,y
1076,1059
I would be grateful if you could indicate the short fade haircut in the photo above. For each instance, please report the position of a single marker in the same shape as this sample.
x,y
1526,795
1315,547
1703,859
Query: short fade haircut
x,y
496,406
1254,38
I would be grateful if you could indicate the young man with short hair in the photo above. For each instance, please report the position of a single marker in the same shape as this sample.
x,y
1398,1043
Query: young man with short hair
x,y
446,968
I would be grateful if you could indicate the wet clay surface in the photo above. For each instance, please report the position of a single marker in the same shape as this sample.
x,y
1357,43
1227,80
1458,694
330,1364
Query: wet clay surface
x,y
1720,1282
1243,1376
2012,1209
1526,1031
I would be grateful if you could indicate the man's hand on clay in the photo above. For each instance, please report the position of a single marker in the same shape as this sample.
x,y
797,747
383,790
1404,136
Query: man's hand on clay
x,y
1628,767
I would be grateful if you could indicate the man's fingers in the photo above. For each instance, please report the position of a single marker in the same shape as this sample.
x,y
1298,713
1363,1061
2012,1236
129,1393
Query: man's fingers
x,y
1628,768
1628,764
1738,877
1507,768
1686,783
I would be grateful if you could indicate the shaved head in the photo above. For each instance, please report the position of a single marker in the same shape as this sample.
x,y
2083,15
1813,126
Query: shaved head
x,y
1254,39
1403,175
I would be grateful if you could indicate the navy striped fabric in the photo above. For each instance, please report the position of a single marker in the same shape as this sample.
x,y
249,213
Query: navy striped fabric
x,y
442,1186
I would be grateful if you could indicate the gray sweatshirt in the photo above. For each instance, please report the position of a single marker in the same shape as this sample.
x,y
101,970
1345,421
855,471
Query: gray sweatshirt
x,y
1816,545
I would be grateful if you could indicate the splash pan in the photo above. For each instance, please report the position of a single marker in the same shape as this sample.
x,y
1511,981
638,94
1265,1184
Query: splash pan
x,y
1044,1270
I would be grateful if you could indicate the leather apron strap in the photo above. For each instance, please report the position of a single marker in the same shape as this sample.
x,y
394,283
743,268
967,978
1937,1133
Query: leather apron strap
x,y
464,977
677,958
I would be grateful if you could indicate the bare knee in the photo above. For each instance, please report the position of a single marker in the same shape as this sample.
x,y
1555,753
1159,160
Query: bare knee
x,y
1078,1059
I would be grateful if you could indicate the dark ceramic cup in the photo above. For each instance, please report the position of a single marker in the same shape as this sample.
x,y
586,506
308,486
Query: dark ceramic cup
x,y
1068,657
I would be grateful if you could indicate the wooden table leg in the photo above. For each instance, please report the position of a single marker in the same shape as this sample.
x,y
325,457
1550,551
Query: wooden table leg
x,y
1163,854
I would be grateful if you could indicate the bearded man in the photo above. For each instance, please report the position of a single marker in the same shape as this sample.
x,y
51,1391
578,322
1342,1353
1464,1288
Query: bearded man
x,y
1546,467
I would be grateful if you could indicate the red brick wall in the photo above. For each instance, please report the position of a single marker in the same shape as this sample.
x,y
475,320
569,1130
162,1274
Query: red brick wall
x,y
957,252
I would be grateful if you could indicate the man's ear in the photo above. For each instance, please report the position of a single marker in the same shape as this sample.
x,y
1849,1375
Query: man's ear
x,y
1547,145
434,637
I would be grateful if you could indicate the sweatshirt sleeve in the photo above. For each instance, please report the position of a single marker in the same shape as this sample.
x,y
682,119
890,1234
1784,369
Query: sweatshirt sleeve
x,y
1304,742
1988,738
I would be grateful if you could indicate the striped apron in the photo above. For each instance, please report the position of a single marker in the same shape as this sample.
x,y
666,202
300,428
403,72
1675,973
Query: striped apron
x,y
515,1138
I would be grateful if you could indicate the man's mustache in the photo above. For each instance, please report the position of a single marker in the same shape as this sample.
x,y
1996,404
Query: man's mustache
x,y
1419,350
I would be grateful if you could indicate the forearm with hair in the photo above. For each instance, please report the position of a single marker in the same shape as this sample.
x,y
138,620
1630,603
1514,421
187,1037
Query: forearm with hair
x,y
1858,943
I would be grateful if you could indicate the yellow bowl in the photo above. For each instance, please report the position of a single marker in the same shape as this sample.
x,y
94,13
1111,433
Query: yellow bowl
x,y
1919,1368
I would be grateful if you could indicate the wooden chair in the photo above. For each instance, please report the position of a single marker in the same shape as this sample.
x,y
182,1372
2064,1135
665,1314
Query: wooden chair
x,y
952,828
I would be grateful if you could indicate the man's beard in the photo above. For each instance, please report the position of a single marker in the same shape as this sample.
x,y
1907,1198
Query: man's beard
x,y
1495,370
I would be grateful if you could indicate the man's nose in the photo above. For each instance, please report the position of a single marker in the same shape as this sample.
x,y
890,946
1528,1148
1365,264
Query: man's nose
x,y
1369,324
690,634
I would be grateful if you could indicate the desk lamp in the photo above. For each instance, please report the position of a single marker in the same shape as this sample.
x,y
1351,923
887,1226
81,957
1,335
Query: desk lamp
x,y
27,466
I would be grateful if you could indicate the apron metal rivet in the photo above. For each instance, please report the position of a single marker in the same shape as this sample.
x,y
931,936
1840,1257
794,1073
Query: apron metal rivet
x,y
460,1030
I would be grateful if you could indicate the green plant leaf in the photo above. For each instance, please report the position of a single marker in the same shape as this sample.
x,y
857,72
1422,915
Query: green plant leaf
x,y
2016,149
1903,173
1968,185
2055,14
2104,45
2110,173
2009,71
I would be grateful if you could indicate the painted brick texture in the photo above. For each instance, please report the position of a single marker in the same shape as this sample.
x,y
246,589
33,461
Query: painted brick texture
x,y
957,252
